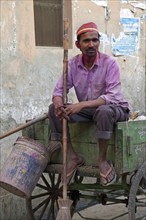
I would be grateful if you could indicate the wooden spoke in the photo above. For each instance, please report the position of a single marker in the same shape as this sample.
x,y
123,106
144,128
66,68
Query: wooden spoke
x,y
52,211
39,195
41,186
59,180
45,181
52,176
40,204
43,203
42,213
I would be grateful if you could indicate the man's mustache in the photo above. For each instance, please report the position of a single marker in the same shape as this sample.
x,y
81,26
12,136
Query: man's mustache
x,y
91,50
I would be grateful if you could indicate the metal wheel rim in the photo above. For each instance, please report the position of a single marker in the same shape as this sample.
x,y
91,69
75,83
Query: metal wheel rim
x,y
137,202
44,205
52,191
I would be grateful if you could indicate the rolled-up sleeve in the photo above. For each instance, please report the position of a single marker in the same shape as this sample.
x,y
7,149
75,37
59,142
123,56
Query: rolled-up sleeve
x,y
113,85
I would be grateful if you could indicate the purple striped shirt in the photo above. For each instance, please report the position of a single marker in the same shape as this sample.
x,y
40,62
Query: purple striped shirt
x,y
102,80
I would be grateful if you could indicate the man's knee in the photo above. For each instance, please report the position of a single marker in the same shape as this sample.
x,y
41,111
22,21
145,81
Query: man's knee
x,y
51,109
104,120
103,111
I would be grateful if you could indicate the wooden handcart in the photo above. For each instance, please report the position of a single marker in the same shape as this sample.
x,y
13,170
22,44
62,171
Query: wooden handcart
x,y
127,150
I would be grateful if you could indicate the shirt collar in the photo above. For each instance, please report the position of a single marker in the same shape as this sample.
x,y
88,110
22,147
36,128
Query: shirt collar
x,y
96,62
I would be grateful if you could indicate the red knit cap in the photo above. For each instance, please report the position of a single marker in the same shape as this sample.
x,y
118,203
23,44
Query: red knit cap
x,y
88,27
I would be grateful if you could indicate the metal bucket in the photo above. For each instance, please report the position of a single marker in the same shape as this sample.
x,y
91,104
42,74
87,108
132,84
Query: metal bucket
x,y
24,166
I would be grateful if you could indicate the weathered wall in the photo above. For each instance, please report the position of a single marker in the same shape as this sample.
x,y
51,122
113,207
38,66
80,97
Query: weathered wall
x,y
29,73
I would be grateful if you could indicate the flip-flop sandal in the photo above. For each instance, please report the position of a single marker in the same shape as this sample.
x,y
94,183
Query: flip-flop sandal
x,y
71,174
108,172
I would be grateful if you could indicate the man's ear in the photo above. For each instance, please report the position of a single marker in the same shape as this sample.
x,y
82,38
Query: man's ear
x,y
77,43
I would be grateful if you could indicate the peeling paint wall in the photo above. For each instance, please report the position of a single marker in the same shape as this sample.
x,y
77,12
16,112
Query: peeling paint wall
x,y
132,66
29,73
27,80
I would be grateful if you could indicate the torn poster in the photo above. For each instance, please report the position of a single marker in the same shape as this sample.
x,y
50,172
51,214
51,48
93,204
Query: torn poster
x,y
124,1
143,17
103,3
126,13
139,5
105,41
128,41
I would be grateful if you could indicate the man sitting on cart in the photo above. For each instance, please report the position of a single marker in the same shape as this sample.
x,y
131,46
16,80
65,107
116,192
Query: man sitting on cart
x,y
95,77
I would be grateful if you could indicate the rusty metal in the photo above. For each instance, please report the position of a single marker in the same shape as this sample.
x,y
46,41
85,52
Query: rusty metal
x,y
24,166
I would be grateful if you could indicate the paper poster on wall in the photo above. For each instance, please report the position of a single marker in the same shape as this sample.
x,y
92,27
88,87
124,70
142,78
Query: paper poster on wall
x,y
126,13
105,41
136,4
143,17
139,5
124,1
103,3
128,41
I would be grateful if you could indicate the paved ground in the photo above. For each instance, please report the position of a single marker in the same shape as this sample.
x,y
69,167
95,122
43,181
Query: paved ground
x,y
101,212
14,208
108,212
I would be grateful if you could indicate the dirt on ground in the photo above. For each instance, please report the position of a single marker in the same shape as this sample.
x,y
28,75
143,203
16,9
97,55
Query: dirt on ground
x,y
100,212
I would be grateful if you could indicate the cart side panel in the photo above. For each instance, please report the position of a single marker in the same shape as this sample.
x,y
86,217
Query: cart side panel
x,y
118,147
127,147
132,143
83,137
39,131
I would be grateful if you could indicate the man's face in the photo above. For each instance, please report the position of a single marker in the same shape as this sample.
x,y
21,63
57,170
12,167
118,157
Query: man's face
x,y
89,43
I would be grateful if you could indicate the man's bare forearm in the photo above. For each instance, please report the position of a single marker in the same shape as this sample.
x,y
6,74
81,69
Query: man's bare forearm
x,y
67,110
93,103
57,99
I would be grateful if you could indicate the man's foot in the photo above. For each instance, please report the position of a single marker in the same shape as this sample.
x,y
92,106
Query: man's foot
x,y
72,166
107,173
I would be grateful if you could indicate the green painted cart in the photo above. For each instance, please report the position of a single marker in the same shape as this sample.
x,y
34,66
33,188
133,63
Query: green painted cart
x,y
127,150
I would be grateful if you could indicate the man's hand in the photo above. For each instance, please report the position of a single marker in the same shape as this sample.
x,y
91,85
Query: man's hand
x,y
58,103
71,109
59,108
64,111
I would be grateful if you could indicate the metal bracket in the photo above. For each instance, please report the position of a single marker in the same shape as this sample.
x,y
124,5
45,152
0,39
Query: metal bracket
x,y
129,145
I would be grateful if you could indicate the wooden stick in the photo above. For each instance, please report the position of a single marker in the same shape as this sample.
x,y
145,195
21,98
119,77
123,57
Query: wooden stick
x,y
41,118
65,70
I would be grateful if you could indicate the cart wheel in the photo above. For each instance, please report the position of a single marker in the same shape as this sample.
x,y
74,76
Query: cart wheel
x,y
137,195
43,203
